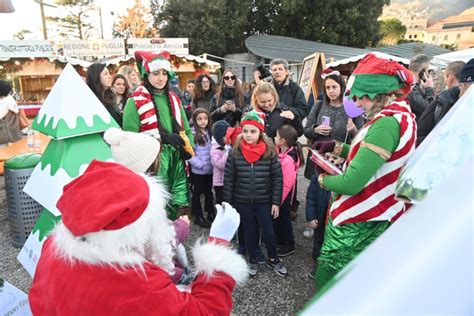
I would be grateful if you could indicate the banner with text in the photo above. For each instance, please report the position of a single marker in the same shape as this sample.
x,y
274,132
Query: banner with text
x,y
27,49
81,48
172,45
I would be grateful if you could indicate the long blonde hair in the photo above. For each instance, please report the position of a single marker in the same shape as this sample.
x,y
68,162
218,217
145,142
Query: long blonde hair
x,y
261,88
381,101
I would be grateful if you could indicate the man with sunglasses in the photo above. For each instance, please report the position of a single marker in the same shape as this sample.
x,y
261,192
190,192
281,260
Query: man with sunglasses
x,y
289,93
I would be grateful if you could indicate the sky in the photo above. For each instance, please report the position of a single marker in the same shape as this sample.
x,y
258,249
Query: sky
x,y
27,15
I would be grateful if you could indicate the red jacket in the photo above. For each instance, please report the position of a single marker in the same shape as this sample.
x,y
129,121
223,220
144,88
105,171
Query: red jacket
x,y
62,288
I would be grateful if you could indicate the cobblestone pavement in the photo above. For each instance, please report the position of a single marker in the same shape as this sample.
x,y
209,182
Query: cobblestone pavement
x,y
267,294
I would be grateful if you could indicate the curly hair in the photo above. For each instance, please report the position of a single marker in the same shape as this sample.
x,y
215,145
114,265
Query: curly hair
x,y
199,93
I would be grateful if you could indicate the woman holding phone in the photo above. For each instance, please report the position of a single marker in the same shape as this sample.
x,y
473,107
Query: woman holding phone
x,y
229,101
326,121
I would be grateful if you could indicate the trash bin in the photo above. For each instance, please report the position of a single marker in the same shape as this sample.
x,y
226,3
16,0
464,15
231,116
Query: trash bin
x,y
23,211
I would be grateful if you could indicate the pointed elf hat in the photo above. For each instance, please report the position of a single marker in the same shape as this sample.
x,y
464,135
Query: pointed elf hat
x,y
148,62
254,118
375,75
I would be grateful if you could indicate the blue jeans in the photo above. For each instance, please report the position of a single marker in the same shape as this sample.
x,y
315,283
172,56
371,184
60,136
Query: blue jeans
x,y
250,216
317,201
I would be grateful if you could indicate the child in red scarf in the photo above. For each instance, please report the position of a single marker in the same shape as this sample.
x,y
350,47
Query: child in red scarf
x,y
253,184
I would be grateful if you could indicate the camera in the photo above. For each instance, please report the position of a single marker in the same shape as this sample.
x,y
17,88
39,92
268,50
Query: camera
x,y
264,71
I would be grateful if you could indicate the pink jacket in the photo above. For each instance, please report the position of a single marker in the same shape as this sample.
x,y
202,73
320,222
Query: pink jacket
x,y
218,160
289,169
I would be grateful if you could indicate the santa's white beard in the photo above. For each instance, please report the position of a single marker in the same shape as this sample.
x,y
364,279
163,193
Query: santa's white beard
x,y
151,238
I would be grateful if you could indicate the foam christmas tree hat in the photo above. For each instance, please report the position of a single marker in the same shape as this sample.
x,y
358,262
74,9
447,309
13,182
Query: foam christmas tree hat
x,y
72,109
375,75
254,118
148,62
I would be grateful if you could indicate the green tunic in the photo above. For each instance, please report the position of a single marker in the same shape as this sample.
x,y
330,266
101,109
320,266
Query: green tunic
x,y
343,243
172,168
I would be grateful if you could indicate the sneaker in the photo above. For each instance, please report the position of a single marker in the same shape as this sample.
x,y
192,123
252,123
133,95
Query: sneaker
x,y
308,232
253,268
278,266
312,272
285,250
261,259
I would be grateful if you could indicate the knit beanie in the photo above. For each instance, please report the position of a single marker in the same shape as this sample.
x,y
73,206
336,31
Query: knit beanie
x,y
5,88
467,72
136,151
219,130
254,118
148,62
374,75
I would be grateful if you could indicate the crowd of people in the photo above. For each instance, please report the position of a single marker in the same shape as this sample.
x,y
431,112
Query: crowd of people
x,y
240,149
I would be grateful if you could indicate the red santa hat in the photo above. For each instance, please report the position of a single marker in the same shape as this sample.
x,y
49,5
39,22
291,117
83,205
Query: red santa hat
x,y
329,72
92,202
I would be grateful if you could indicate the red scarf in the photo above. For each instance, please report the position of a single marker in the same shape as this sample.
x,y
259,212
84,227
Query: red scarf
x,y
252,153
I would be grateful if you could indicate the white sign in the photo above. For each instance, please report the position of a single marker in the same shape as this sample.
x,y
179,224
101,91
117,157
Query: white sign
x,y
12,300
82,48
26,49
172,45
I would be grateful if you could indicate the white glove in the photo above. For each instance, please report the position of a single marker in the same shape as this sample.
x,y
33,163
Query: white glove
x,y
226,222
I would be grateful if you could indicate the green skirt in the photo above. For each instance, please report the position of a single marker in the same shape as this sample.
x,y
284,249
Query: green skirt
x,y
342,244
172,172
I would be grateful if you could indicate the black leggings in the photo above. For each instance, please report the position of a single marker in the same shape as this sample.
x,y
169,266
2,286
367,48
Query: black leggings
x,y
202,184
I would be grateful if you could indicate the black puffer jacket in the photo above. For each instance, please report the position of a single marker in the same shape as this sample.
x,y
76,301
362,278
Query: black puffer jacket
x,y
260,182
435,111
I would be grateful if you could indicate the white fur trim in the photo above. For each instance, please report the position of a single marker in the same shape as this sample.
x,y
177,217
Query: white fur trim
x,y
211,257
158,64
151,238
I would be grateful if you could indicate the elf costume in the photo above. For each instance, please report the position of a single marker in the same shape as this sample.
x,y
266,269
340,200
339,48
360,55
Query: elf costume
x,y
112,253
364,202
157,112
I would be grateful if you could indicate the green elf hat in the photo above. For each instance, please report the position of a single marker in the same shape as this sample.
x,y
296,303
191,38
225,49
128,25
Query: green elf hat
x,y
374,75
148,62
254,118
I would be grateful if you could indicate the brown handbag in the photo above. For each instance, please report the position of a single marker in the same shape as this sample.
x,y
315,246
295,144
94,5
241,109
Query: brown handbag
x,y
24,122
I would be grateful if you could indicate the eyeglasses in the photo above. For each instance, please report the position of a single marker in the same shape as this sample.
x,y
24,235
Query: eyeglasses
x,y
229,78
205,81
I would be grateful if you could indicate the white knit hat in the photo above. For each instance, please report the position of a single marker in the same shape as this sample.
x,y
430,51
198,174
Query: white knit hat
x,y
135,151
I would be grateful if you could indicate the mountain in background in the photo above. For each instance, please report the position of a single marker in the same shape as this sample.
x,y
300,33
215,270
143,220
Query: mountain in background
x,y
433,10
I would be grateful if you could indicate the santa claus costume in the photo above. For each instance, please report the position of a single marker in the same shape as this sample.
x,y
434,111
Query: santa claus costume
x,y
112,253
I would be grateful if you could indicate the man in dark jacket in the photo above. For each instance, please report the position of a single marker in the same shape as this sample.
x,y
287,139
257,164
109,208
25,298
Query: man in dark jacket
x,y
289,93
423,92
444,102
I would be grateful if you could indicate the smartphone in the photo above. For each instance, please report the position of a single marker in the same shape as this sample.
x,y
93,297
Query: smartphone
x,y
422,75
326,121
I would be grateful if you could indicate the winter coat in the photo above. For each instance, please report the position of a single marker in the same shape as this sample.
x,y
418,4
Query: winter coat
x,y
218,160
419,101
273,121
201,162
260,182
9,121
291,95
435,111
230,117
290,163
204,102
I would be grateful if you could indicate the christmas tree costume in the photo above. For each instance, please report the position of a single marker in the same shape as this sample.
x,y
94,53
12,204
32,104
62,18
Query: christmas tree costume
x,y
364,202
147,113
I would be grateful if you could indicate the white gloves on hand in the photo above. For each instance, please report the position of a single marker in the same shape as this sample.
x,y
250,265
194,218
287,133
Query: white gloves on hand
x,y
226,222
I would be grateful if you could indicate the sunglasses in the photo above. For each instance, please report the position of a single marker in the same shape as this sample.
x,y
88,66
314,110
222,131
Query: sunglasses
x,y
229,78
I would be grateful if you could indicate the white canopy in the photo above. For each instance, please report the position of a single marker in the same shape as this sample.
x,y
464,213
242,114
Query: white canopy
x,y
359,57
119,59
444,59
